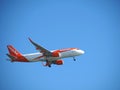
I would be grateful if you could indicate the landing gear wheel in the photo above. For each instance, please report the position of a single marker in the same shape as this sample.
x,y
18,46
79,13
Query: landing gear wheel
x,y
48,63
74,59
49,66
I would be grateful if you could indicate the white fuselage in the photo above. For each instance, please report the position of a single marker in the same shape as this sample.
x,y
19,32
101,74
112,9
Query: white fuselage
x,y
33,57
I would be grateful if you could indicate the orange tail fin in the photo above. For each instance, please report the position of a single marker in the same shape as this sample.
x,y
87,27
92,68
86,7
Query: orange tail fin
x,y
13,52
15,55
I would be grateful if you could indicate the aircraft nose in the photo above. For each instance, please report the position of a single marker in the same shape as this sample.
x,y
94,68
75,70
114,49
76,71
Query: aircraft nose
x,y
81,51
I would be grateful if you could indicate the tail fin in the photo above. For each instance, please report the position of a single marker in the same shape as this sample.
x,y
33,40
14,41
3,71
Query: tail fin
x,y
14,55
12,51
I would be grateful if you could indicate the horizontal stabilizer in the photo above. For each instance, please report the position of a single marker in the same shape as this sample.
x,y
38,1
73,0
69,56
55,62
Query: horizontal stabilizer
x,y
11,57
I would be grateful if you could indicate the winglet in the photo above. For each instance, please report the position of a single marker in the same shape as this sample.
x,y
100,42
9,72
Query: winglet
x,y
30,39
36,45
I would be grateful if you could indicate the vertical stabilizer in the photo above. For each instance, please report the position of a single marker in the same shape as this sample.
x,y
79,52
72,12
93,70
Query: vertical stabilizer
x,y
14,55
13,52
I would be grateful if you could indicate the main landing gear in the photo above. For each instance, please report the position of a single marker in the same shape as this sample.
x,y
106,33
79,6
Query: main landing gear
x,y
48,63
74,59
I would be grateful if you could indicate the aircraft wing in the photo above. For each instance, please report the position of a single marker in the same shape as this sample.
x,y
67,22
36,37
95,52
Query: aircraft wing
x,y
41,49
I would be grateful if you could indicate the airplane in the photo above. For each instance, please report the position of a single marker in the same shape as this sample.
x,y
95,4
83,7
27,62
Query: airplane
x,y
47,57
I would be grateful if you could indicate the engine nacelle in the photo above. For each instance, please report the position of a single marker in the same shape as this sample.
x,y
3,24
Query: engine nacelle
x,y
56,54
59,62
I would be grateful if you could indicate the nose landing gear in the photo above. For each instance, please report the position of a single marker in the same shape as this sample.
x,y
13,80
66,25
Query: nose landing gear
x,y
74,59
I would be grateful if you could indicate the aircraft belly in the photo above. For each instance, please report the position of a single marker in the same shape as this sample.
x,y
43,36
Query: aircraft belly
x,y
53,58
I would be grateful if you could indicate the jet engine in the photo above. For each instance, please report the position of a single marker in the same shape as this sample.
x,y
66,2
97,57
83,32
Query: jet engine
x,y
58,62
56,54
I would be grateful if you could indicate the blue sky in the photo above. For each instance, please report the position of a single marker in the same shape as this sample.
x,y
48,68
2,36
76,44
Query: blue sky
x,y
91,25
